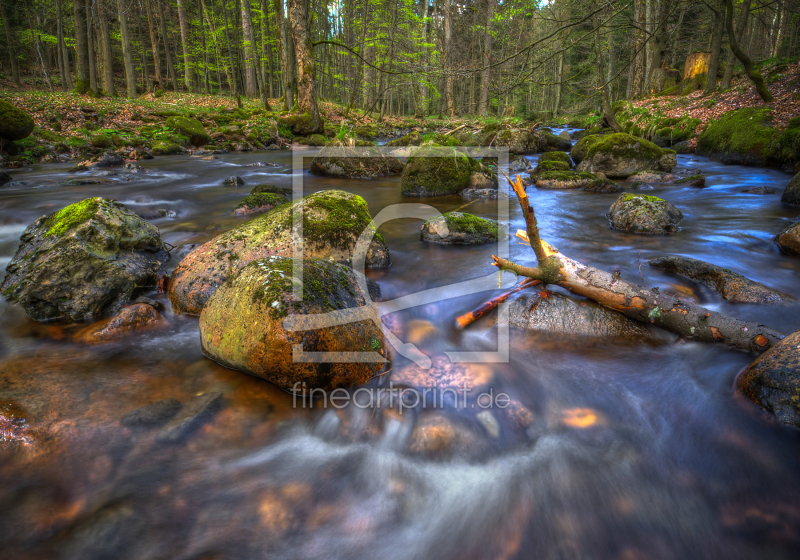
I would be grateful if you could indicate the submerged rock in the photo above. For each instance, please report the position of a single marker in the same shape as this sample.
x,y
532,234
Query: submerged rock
x,y
692,181
437,437
575,180
196,412
561,315
730,285
791,195
789,239
457,228
621,155
242,325
83,262
261,202
332,223
759,190
639,213
354,159
517,163
133,318
439,171
773,380
153,414
4,178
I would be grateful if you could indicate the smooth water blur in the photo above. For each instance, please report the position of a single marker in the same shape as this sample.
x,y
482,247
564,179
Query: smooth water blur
x,y
607,451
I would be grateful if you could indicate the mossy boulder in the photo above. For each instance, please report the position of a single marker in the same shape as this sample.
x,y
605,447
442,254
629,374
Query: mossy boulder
x,y
791,195
565,179
439,171
741,137
267,188
300,125
698,180
550,142
191,128
639,213
242,325
731,286
786,146
545,166
773,381
354,159
261,202
620,155
413,138
519,142
789,239
581,149
555,156
459,228
15,124
83,262
102,141
166,148
332,223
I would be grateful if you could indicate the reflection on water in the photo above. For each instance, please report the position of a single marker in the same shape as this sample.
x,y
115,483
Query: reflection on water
x,y
604,451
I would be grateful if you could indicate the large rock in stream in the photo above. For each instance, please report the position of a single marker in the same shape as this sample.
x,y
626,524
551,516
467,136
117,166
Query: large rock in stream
x,y
731,286
15,124
560,315
639,213
242,325
791,195
83,262
773,380
354,159
332,223
439,171
789,239
621,155
459,228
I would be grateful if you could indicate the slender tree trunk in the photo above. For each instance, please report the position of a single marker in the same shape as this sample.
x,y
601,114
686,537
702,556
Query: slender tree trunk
x,y
188,61
90,42
63,59
716,46
154,45
636,76
754,75
127,56
105,48
206,85
447,20
483,104
12,53
287,65
37,40
306,71
250,52
659,41
608,113
145,70
235,82
170,66
268,48
81,47
741,25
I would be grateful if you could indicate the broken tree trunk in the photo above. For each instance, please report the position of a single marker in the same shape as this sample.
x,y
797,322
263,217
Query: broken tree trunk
x,y
648,306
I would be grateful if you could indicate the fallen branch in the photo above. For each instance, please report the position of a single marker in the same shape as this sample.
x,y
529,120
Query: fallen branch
x,y
456,129
468,318
648,306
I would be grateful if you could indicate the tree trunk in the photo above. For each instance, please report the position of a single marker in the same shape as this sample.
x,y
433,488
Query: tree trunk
x,y
90,42
127,56
716,46
63,59
250,57
306,71
145,70
188,60
287,65
12,54
659,42
170,65
81,47
105,48
635,77
483,103
268,48
447,58
608,113
741,25
754,75
647,306
154,45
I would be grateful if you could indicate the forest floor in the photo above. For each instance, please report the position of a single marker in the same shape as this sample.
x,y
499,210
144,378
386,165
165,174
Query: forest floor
x,y
783,81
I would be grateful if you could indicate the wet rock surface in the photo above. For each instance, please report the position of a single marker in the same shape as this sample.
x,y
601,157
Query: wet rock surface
x,y
791,195
772,381
242,325
789,239
84,261
333,222
152,415
354,159
134,318
638,213
458,228
190,417
731,286
621,155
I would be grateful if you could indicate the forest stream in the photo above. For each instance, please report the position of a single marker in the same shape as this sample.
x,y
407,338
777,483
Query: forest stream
x,y
620,451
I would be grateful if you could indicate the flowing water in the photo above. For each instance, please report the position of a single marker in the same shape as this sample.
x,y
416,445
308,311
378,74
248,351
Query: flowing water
x,y
623,451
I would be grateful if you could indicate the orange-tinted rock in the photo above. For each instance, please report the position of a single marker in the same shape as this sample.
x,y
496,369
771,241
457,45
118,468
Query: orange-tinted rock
x,y
131,319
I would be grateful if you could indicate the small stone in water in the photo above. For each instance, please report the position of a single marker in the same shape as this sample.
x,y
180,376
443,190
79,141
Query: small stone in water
x,y
197,411
233,181
152,414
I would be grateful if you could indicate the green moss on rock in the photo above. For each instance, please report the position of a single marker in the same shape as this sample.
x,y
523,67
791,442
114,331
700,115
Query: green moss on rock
x,y
191,128
437,171
743,137
15,124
